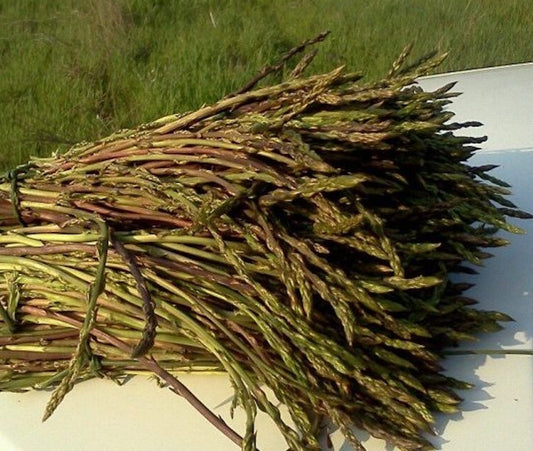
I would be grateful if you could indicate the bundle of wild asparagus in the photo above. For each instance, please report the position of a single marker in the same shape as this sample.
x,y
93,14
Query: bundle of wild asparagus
x,y
298,236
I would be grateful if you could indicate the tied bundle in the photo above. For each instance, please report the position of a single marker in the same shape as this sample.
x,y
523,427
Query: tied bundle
x,y
297,236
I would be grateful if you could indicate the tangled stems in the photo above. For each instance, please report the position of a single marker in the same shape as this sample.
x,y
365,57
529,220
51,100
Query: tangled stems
x,y
298,237
151,365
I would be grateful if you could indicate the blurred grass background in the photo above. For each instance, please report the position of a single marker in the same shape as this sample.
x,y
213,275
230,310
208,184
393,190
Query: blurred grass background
x,y
73,70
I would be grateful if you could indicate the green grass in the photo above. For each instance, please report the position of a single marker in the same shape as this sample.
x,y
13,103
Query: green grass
x,y
73,70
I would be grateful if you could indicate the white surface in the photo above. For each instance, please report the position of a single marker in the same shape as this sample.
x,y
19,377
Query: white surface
x,y
501,98
138,416
98,415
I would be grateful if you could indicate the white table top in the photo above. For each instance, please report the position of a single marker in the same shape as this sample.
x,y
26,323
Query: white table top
x,y
499,97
